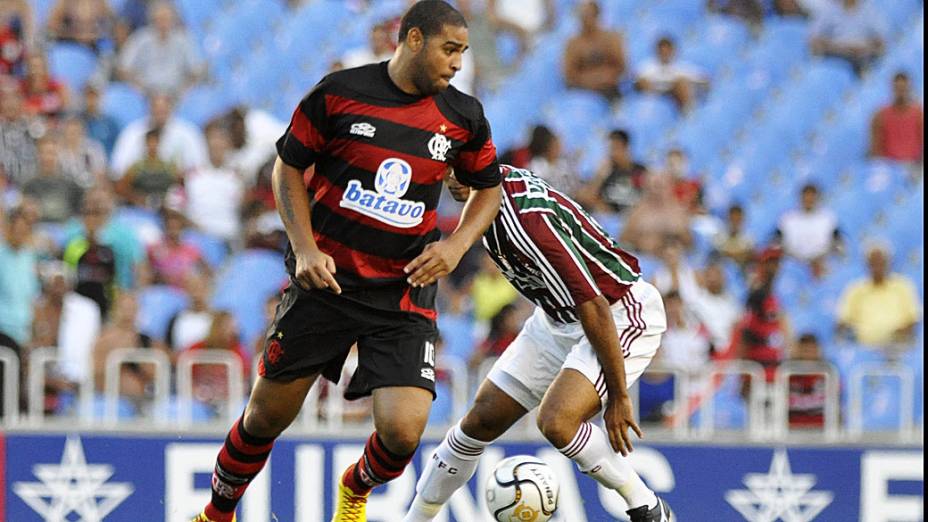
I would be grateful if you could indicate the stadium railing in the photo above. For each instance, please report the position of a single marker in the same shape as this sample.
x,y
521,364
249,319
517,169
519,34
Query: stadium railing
x,y
906,405
767,405
781,428
756,396
187,361
10,385
161,380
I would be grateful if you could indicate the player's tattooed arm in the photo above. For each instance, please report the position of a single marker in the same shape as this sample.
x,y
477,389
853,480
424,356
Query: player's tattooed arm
x,y
314,268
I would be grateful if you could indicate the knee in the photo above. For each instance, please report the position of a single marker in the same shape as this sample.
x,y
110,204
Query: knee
x,y
557,427
479,424
264,422
398,438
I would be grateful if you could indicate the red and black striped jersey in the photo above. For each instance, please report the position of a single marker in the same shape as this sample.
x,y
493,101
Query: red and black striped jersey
x,y
552,251
380,156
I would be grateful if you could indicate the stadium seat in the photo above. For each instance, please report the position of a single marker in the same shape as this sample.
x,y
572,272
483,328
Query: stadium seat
x,y
214,250
157,305
243,286
72,63
124,103
146,224
204,102
457,334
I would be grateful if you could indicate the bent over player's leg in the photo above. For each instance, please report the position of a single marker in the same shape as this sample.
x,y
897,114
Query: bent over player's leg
x,y
271,408
564,420
455,460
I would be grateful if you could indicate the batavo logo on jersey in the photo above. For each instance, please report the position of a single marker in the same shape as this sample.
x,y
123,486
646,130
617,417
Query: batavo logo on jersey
x,y
385,204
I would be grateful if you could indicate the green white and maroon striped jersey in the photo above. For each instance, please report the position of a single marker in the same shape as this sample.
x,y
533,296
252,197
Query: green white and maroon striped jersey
x,y
552,251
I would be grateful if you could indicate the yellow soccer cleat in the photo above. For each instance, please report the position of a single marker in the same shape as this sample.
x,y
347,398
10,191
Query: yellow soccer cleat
x,y
351,507
203,518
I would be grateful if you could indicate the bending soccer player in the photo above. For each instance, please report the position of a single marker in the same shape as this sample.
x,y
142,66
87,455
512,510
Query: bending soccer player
x,y
596,327
364,257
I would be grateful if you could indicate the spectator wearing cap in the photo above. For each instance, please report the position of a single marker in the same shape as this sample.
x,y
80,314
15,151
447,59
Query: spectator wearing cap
x,y
161,57
897,130
182,143
666,74
882,309
594,59
172,260
100,126
811,232
619,180
850,30
69,321
763,333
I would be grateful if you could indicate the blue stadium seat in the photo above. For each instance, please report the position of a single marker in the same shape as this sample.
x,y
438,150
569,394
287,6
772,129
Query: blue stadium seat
x,y
72,63
124,103
243,286
198,14
716,41
157,305
146,224
214,250
457,334
204,102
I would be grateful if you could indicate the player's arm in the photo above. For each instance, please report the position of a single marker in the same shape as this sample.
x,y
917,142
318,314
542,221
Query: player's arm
x,y
599,327
571,276
477,168
297,150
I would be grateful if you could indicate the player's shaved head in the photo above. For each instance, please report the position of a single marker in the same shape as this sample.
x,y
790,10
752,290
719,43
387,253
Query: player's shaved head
x,y
430,16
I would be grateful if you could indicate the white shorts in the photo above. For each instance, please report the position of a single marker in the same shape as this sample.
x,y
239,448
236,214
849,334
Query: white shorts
x,y
543,348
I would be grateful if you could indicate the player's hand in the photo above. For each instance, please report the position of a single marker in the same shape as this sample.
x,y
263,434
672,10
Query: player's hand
x,y
619,418
316,269
437,260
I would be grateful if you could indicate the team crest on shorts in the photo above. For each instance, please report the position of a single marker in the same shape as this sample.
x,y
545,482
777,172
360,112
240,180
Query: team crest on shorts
x,y
274,351
385,204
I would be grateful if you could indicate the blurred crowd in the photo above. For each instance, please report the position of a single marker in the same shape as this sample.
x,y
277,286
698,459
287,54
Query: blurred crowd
x,y
94,212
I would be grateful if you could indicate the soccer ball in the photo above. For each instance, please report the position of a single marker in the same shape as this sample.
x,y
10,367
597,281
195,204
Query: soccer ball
x,y
522,489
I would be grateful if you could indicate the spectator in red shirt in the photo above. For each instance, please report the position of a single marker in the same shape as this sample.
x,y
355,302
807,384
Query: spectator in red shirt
x,y
807,392
210,382
897,131
171,259
763,333
43,95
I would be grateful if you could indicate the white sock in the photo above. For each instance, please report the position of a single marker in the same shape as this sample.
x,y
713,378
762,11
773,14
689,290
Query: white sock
x,y
451,466
591,450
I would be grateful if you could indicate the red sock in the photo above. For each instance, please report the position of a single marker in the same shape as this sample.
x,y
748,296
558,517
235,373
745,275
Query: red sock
x,y
377,466
241,458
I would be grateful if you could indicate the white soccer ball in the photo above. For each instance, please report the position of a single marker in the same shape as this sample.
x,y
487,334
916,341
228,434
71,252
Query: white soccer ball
x,y
522,489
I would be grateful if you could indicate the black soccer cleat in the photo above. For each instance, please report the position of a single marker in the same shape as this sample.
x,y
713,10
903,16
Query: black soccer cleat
x,y
660,513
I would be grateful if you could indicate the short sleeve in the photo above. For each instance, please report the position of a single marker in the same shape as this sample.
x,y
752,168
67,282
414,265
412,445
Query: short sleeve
x,y
476,165
569,270
305,137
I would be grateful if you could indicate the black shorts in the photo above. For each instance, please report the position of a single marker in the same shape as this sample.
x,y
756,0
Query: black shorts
x,y
314,330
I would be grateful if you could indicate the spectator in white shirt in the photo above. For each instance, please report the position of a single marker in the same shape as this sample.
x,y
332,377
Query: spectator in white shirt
x,y
182,142
191,326
667,75
252,133
850,31
82,158
810,232
718,309
161,57
215,192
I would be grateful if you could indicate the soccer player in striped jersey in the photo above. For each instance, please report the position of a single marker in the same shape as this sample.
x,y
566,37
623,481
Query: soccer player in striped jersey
x,y
365,251
596,327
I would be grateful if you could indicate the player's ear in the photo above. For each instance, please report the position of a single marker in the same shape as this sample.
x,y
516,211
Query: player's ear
x,y
415,40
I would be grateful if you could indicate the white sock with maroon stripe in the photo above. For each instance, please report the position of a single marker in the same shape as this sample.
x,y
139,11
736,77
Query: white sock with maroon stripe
x,y
591,451
451,466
